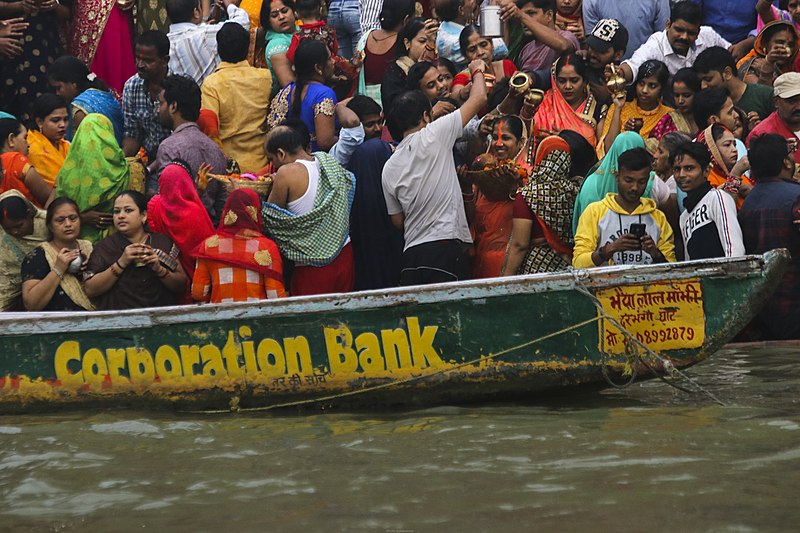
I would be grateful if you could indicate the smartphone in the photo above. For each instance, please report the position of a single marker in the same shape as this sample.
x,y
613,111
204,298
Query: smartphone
x,y
637,230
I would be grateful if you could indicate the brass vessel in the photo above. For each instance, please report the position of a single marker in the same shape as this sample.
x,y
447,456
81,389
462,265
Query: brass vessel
x,y
617,85
520,82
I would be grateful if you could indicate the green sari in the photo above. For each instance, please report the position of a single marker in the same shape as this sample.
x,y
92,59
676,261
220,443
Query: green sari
x,y
604,179
95,171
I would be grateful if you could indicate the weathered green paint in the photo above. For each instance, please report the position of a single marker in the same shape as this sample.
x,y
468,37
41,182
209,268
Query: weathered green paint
x,y
202,357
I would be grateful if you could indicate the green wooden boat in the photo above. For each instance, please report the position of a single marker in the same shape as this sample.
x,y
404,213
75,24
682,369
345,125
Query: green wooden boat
x,y
469,341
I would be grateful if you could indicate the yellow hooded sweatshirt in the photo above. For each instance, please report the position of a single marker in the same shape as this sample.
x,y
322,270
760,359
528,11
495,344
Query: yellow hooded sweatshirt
x,y
605,221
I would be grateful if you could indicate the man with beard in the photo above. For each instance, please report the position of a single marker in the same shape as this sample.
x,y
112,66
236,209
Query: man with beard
x,y
605,45
785,121
679,44
141,127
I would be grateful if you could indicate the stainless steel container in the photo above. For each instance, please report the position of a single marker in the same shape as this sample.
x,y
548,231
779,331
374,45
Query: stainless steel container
x,y
490,21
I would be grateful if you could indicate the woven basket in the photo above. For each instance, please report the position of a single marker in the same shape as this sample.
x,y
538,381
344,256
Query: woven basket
x,y
497,183
261,187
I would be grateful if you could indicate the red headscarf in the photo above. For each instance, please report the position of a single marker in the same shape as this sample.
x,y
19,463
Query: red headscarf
x,y
178,213
248,248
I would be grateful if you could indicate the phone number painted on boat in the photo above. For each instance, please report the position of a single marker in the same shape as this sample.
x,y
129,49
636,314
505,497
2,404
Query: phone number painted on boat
x,y
664,316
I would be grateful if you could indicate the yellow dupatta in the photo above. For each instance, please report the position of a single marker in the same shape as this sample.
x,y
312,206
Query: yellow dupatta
x,y
69,282
46,158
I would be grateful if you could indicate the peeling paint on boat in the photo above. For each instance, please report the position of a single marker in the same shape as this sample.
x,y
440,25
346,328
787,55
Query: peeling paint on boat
x,y
437,343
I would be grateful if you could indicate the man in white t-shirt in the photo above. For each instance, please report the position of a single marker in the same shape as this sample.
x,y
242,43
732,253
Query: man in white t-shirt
x,y
421,187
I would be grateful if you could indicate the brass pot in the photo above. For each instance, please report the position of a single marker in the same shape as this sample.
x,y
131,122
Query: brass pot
x,y
534,98
519,82
617,85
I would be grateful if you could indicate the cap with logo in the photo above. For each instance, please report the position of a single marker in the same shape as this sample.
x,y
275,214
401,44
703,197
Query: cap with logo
x,y
607,33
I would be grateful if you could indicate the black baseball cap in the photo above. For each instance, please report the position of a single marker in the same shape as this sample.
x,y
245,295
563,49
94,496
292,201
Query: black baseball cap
x,y
607,33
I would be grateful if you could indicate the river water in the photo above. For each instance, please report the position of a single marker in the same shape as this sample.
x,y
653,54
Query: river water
x,y
647,458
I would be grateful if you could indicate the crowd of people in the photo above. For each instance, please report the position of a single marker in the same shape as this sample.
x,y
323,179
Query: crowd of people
x,y
404,144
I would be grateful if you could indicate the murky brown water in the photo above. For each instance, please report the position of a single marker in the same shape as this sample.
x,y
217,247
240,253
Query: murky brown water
x,y
648,458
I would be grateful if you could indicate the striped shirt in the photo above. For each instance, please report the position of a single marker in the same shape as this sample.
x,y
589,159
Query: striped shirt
x,y
370,14
193,47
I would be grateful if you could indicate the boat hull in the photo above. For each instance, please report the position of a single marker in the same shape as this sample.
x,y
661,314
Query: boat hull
x,y
449,343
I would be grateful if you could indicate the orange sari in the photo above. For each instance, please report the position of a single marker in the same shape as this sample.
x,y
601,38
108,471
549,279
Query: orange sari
x,y
491,226
555,114
15,166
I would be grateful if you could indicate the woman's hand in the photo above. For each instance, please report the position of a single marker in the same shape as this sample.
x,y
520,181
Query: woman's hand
x,y
431,28
741,166
126,5
753,119
486,127
150,259
619,101
778,54
633,124
13,28
48,5
97,219
133,253
10,47
64,258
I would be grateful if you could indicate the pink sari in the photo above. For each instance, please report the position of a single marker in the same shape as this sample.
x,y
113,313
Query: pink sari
x,y
101,37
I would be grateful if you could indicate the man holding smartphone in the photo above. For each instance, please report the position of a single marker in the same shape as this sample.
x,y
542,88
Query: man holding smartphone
x,y
623,228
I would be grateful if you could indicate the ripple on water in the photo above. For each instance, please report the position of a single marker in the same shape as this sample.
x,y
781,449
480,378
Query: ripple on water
x,y
783,424
129,427
35,498
544,488
613,461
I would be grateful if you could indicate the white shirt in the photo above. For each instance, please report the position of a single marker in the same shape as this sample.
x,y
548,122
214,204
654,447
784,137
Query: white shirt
x,y
420,181
349,140
658,47
193,47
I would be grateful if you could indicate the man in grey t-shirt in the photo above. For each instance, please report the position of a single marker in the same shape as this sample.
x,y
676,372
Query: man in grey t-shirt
x,y
421,187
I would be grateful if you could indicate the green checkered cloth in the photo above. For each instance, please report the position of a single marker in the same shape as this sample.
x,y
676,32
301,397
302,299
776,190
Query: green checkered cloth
x,y
317,237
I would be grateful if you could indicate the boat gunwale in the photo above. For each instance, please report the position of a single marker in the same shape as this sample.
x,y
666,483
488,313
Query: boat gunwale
x,y
41,323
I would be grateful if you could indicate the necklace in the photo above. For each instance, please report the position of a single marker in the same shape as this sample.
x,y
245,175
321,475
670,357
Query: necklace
x,y
388,35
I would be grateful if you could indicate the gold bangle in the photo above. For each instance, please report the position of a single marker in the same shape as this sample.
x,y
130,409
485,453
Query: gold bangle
x,y
57,273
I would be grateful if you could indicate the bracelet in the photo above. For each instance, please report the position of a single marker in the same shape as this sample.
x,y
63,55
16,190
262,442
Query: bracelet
x,y
165,273
477,71
430,48
114,271
602,254
468,196
119,265
59,274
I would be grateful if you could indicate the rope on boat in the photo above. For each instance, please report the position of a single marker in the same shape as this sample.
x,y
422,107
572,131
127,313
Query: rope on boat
x,y
634,346
633,349
235,400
